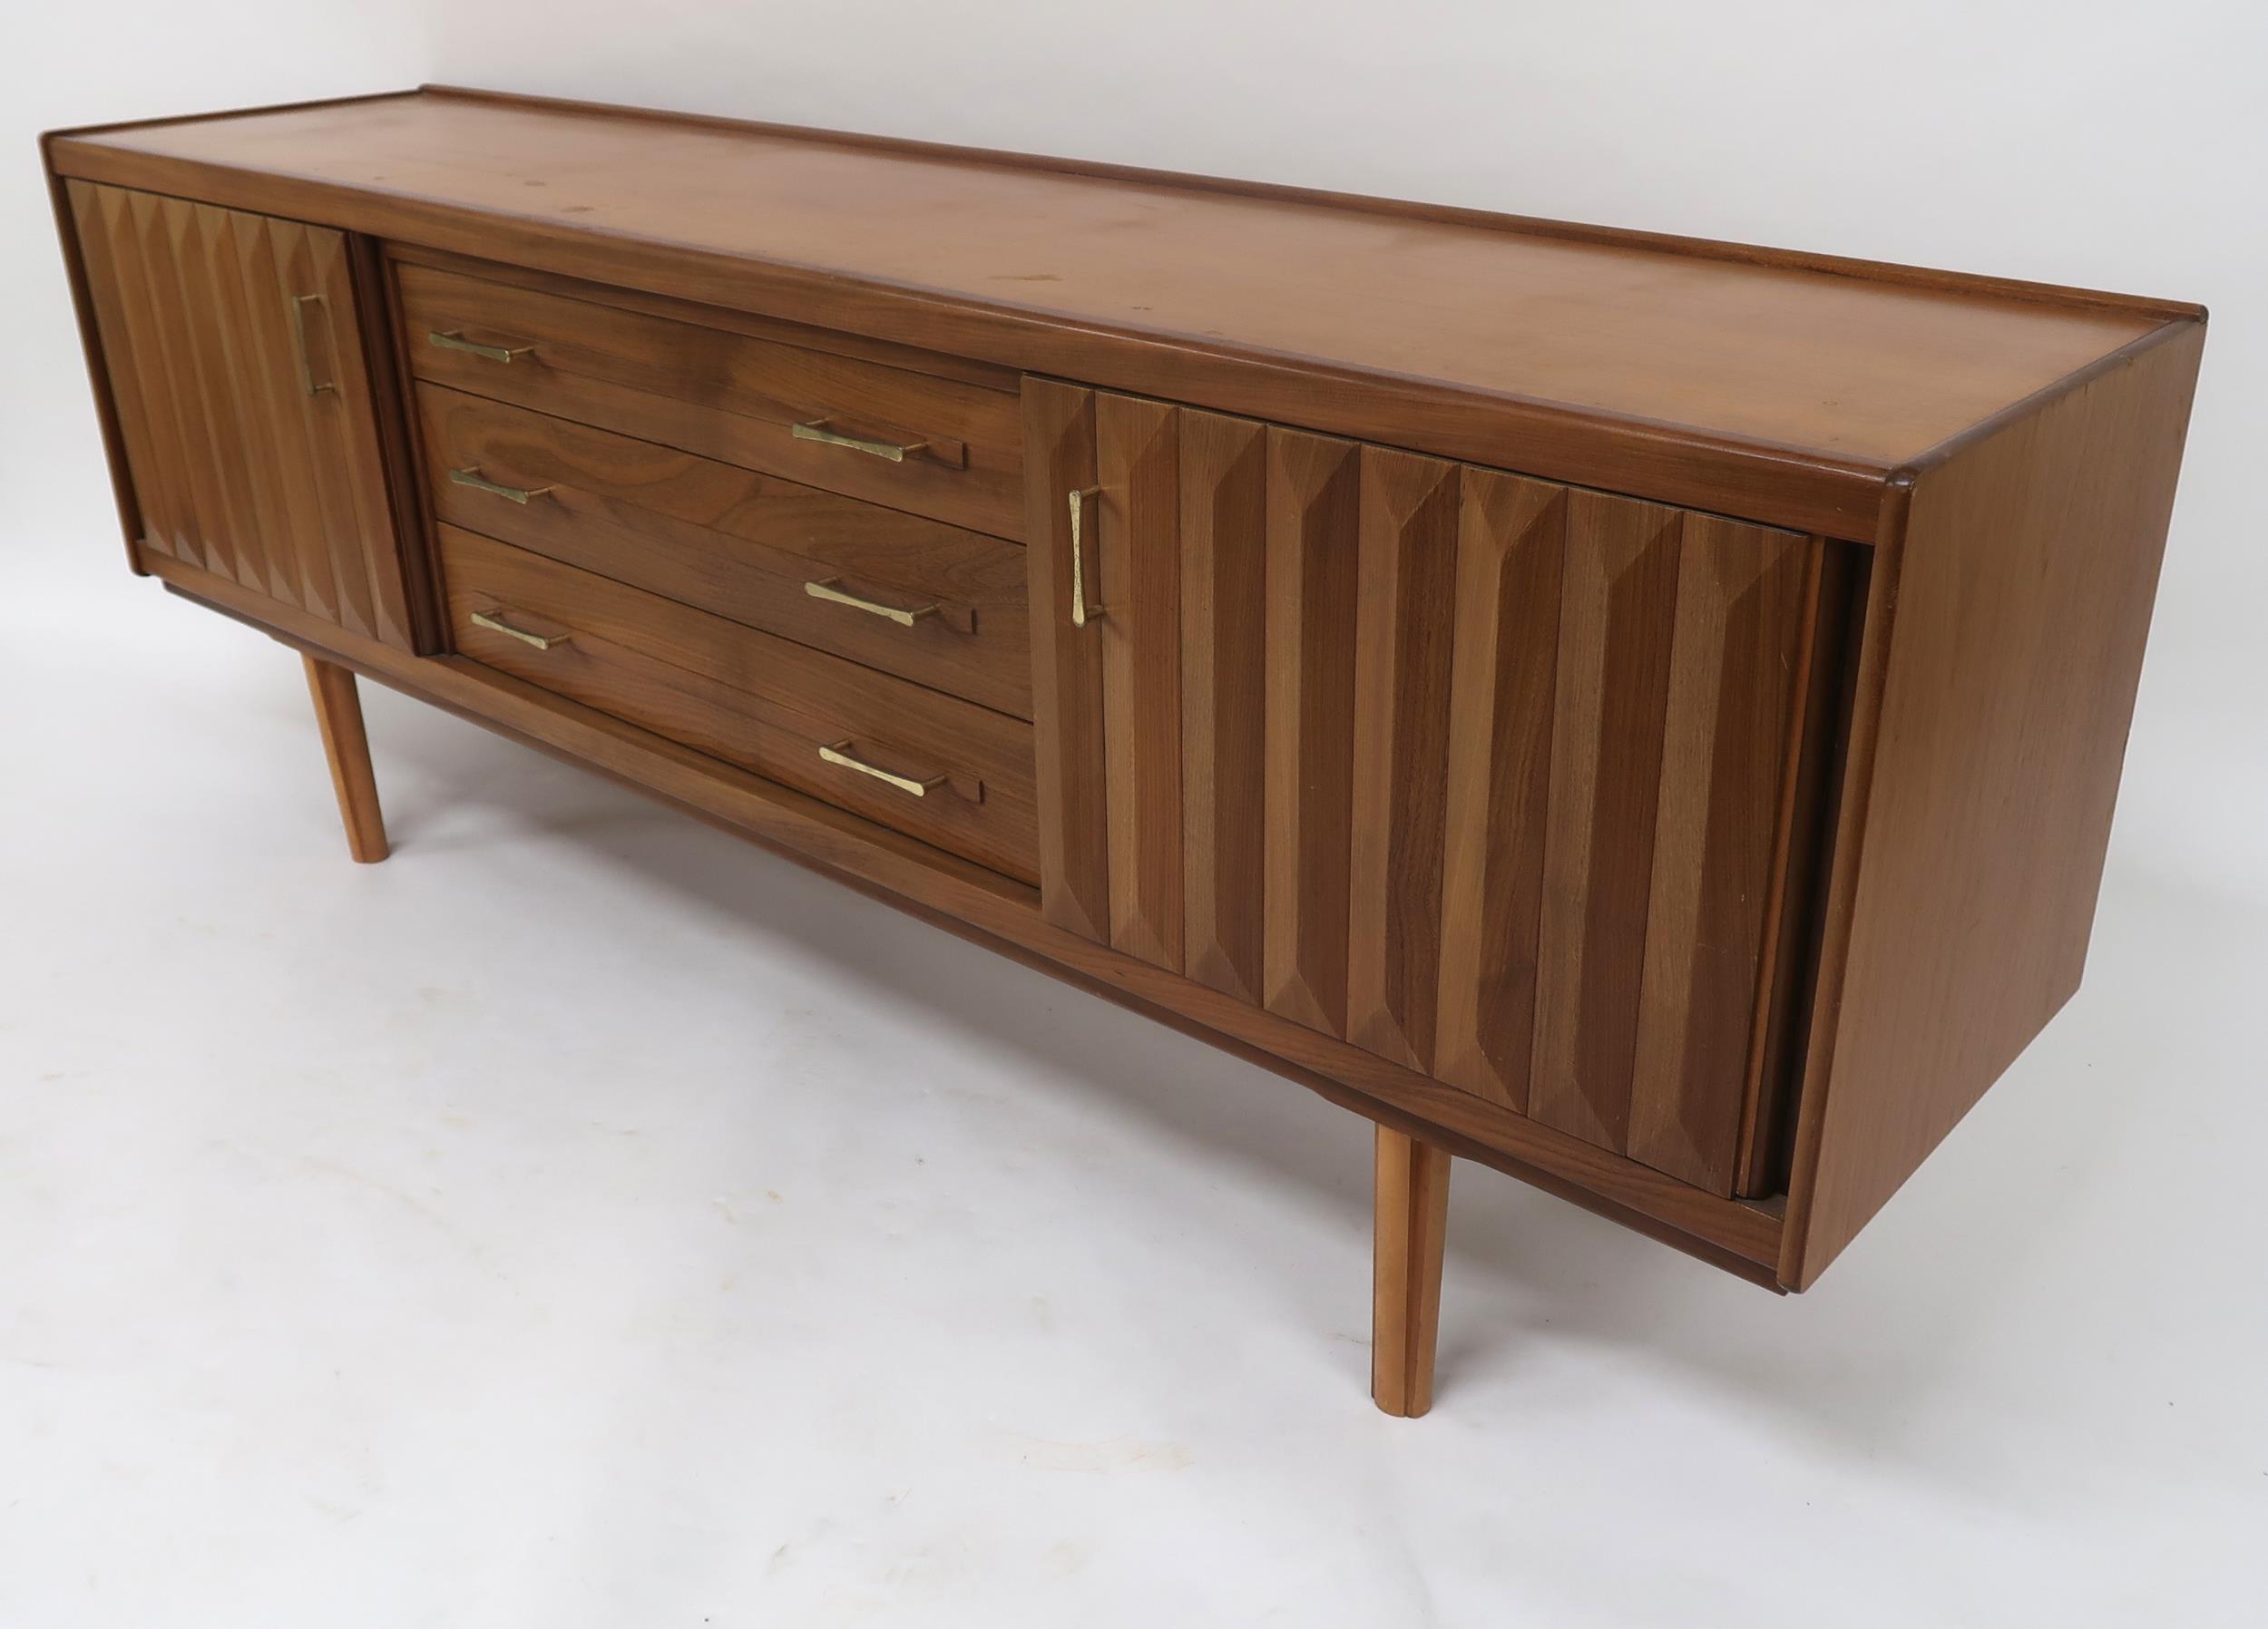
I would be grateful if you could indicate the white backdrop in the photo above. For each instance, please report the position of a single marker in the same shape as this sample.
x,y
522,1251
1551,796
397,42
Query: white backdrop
x,y
346,1277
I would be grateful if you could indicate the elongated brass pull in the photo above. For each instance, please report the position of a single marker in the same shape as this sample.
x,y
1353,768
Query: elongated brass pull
x,y
817,430
494,622
300,304
455,341
840,754
826,590
1080,615
471,476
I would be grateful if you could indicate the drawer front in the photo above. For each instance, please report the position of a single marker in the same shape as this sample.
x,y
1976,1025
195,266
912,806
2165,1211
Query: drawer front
x,y
931,446
951,773
1501,780
812,566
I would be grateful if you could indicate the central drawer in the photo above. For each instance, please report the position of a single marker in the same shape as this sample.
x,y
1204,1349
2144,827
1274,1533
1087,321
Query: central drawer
x,y
931,765
930,445
914,597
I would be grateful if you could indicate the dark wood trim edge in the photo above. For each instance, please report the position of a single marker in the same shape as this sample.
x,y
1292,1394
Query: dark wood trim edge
x,y
117,126
377,313
1992,425
1846,851
123,493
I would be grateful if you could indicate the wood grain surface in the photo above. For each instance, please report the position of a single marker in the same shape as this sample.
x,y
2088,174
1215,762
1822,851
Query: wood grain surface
x,y
1510,555
740,544
1223,698
725,395
1314,550
244,402
752,699
1984,773
1410,1227
1136,564
347,749
1067,701
1791,356
1492,778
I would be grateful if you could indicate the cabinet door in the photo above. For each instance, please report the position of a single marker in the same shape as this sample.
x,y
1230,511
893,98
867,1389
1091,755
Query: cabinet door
x,y
1495,778
235,358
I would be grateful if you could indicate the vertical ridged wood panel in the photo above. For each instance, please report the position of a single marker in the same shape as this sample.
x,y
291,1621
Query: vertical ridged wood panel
x,y
133,358
1617,606
1511,535
308,526
1224,689
1067,687
1406,580
331,551
1137,467
1492,777
1743,598
221,434
239,468
233,251
1313,538
377,565
160,363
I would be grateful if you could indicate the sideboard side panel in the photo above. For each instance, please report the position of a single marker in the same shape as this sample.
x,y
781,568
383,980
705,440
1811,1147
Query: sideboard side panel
x,y
2009,646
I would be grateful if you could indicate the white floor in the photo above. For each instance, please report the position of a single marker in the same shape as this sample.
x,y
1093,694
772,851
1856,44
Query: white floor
x,y
585,1219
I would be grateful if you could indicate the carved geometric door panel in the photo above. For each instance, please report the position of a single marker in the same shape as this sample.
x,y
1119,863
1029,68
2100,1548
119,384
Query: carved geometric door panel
x,y
1491,777
235,360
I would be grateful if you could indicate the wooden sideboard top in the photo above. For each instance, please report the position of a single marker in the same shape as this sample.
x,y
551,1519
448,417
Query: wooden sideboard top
x,y
1712,371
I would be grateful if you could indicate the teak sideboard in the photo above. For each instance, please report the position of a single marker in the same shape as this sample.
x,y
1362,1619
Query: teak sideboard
x,y
1638,713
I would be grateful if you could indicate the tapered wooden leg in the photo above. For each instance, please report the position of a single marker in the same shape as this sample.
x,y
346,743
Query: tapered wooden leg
x,y
338,713
1413,1218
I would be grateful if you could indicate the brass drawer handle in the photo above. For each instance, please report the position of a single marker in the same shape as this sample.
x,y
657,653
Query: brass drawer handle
x,y
1080,615
817,430
455,341
494,622
300,304
840,753
826,590
471,476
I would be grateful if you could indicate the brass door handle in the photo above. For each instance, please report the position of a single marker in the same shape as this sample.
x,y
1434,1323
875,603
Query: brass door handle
x,y
300,304
494,622
471,476
817,430
454,340
825,590
840,754
1080,615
